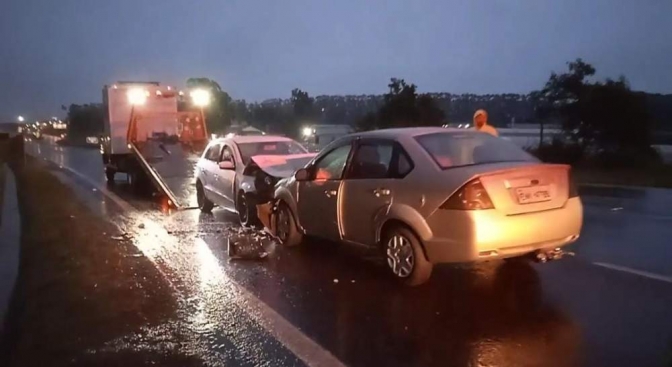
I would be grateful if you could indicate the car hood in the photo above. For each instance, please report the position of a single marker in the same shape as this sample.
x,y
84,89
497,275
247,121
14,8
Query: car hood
x,y
280,166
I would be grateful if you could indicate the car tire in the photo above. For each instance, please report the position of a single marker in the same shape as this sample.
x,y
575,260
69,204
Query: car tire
x,y
247,209
287,230
204,204
133,181
404,256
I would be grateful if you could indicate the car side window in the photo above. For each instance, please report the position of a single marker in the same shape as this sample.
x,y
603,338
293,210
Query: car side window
x,y
403,165
227,154
372,160
213,152
380,159
331,166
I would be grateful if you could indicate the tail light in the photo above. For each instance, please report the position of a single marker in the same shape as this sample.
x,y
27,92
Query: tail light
x,y
573,189
471,196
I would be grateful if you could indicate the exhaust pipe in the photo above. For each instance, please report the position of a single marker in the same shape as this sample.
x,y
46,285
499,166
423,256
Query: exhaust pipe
x,y
557,253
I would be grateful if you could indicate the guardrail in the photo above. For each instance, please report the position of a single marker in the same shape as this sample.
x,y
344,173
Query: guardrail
x,y
11,155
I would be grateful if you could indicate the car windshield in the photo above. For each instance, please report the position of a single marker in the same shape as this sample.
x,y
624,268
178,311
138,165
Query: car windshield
x,y
287,147
456,149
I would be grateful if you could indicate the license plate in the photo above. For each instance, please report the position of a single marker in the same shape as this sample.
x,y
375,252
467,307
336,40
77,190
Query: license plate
x,y
533,194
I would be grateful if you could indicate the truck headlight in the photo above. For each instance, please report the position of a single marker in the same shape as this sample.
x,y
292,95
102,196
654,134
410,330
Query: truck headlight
x,y
137,96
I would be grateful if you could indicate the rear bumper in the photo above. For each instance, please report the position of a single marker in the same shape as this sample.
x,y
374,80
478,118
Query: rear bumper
x,y
474,236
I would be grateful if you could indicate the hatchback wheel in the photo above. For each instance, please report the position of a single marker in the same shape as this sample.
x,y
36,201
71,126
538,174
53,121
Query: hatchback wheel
x,y
286,228
404,256
247,209
204,204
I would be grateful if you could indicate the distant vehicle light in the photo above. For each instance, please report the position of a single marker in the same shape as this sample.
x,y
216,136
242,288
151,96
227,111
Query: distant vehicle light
x,y
21,119
307,131
137,96
91,140
467,126
200,97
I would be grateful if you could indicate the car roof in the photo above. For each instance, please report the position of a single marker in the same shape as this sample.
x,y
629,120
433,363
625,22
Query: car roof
x,y
240,139
395,133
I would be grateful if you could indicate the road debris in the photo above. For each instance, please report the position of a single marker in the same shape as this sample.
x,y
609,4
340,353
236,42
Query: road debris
x,y
141,226
122,237
248,244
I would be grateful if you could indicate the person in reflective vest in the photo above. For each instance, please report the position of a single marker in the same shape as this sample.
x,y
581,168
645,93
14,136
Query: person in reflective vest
x,y
481,123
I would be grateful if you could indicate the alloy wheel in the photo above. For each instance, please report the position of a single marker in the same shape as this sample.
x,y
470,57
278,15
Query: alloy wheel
x,y
400,257
242,209
283,225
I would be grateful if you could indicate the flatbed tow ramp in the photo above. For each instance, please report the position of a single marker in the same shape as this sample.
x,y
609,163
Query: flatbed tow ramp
x,y
169,160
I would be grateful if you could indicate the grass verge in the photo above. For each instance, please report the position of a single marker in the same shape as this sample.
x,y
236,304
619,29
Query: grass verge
x,y
77,288
655,177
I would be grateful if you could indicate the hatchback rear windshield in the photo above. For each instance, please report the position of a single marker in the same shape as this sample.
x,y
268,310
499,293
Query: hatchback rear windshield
x,y
455,149
284,147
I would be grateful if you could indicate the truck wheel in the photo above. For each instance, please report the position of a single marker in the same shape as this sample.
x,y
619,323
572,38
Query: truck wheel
x,y
247,209
286,228
204,204
404,256
109,174
135,181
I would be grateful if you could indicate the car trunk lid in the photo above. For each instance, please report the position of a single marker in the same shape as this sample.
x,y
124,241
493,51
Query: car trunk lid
x,y
528,188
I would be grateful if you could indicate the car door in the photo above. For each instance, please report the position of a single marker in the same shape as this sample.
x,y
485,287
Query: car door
x,y
225,178
318,198
207,167
369,187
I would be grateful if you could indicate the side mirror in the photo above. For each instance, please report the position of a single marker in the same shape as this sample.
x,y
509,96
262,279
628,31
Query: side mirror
x,y
302,175
226,165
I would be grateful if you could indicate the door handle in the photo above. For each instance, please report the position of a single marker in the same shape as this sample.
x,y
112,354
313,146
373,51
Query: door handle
x,y
330,193
381,192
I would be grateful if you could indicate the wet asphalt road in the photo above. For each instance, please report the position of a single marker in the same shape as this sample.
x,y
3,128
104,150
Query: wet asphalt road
x,y
324,304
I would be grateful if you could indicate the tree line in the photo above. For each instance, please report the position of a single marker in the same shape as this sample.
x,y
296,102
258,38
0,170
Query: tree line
x,y
605,115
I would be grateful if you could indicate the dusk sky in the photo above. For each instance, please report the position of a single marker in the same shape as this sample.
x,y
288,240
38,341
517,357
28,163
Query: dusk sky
x,y
56,52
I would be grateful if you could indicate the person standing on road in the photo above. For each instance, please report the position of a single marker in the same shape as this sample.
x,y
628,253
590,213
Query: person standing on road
x,y
481,123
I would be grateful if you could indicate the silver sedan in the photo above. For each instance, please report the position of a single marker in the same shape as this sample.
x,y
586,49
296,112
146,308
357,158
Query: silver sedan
x,y
431,195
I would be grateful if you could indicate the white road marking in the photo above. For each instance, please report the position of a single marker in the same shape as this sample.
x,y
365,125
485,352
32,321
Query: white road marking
x,y
123,204
641,273
306,349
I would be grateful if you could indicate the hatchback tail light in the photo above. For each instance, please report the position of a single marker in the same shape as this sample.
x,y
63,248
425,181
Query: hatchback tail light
x,y
573,189
471,196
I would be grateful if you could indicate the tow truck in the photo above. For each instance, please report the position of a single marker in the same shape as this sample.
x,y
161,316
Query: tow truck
x,y
152,141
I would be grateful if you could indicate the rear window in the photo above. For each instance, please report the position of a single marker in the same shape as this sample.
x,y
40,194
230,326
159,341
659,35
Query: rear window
x,y
248,150
456,149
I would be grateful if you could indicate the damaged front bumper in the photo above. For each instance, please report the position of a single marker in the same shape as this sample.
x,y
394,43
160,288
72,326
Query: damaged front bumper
x,y
266,213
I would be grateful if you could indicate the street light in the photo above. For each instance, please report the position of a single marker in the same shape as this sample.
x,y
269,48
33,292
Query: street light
x,y
200,97
21,119
308,131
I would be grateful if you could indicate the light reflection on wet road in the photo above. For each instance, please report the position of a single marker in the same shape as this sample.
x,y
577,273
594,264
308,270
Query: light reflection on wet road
x,y
565,313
